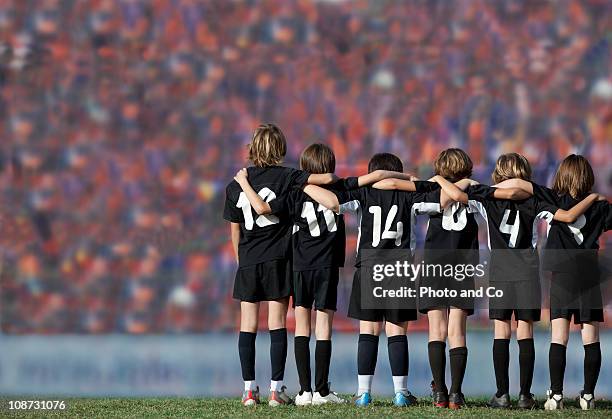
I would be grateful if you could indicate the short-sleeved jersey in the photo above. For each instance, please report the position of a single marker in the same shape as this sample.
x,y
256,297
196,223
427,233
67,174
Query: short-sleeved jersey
x,y
585,231
263,237
319,236
453,228
386,218
511,224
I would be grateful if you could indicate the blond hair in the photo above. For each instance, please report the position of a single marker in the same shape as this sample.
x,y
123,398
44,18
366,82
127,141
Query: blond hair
x,y
453,164
574,177
510,166
268,146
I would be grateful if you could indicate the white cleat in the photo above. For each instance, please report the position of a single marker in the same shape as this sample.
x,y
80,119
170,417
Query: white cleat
x,y
587,401
332,397
304,399
553,401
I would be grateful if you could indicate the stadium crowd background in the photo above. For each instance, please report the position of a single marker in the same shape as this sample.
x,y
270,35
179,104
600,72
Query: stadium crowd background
x,y
122,122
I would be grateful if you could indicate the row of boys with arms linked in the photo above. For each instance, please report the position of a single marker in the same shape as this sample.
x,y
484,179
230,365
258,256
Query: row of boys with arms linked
x,y
288,232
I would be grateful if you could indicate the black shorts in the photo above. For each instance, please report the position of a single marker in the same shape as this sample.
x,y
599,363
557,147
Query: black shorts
x,y
266,281
519,314
318,287
429,302
375,315
577,296
521,298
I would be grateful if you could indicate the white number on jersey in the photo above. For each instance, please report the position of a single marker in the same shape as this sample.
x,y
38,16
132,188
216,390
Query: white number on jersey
x,y
575,228
513,229
309,214
387,233
262,220
458,211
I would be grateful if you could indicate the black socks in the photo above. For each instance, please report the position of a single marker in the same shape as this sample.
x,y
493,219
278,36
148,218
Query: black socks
x,y
526,364
398,355
323,351
302,361
437,363
458,362
246,352
592,365
278,353
367,353
501,363
556,367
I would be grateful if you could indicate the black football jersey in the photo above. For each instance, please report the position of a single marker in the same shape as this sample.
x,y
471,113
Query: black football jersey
x,y
453,228
263,237
386,218
585,231
319,236
511,224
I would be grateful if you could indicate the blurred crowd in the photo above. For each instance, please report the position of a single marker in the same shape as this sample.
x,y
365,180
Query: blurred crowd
x,y
123,120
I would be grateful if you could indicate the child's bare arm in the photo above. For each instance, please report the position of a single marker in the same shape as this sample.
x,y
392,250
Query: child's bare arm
x,y
516,183
235,233
451,191
395,184
379,175
324,197
512,194
259,205
571,215
322,179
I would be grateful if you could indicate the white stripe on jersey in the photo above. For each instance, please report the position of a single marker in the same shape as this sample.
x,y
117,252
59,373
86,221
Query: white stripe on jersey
x,y
476,206
546,216
296,228
418,209
354,207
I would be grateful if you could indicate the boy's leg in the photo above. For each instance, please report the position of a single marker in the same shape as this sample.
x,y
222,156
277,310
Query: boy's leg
x,y
323,350
397,345
592,355
438,332
556,354
249,314
501,356
367,353
277,318
458,351
524,337
302,347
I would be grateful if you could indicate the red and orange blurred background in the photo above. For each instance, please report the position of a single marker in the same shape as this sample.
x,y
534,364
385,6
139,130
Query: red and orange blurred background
x,y
122,121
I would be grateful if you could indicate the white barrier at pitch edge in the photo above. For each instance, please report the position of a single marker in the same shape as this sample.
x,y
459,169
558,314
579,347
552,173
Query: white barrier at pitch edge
x,y
207,365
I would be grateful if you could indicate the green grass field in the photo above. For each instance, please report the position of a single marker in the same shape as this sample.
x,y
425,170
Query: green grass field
x,y
192,407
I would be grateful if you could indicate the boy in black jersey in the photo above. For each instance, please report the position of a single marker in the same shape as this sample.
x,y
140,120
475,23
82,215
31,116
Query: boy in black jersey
x,y
263,248
318,252
452,238
511,216
385,222
571,256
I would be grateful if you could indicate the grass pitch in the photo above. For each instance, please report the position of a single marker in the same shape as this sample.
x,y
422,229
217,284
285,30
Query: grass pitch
x,y
192,408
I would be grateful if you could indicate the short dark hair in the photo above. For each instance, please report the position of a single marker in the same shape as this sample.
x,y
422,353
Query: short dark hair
x,y
318,158
385,161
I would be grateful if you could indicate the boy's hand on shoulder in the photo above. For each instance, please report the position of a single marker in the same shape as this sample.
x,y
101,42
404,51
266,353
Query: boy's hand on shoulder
x,y
601,197
241,176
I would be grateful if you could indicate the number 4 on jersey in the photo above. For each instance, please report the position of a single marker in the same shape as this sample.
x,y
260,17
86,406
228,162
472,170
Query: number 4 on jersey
x,y
262,220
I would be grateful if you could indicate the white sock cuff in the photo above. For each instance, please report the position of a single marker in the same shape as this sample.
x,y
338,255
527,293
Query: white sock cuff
x,y
365,383
250,385
276,385
400,383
